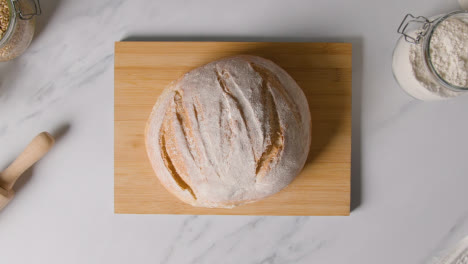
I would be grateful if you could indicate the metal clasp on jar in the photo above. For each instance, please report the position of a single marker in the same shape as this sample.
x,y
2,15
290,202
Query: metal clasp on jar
x,y
420,34
26,14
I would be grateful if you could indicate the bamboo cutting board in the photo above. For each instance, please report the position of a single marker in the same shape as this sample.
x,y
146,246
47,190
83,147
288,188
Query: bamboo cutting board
x,y
322,70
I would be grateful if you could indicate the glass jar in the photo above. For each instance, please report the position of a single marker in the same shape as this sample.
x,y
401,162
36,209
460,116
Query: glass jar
x,y
412,64
20,29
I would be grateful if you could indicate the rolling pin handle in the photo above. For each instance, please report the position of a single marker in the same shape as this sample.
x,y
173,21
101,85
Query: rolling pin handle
x,y
38,147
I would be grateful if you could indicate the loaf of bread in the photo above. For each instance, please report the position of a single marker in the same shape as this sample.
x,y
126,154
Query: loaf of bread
x,y
231,132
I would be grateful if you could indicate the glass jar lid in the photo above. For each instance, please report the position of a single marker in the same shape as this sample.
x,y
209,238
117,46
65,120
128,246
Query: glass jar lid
x,y
22,9
27,12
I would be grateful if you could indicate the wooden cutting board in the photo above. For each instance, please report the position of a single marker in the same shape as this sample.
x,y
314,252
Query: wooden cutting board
x,y
323,70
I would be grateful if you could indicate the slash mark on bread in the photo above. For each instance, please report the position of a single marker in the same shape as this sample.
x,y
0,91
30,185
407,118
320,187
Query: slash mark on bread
x,y
187,129
267,75
186,126
170,166
230,97
274,136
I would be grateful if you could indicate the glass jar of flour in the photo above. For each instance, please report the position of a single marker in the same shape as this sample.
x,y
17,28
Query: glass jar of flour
x,y
430,60
17,24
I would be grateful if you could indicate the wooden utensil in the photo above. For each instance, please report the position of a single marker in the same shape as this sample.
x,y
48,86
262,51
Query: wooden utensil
x,y
38,147
322,70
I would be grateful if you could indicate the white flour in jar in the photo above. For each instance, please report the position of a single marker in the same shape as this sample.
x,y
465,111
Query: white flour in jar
x,y
449,51
449,55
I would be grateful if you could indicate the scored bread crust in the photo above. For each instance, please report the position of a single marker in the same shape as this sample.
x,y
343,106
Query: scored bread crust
x,y
230,132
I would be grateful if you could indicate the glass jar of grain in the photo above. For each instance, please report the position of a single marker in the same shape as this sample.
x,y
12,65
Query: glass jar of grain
x,y
17,24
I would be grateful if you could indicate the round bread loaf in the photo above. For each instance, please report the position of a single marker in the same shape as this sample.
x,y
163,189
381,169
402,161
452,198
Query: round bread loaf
x,y
230,132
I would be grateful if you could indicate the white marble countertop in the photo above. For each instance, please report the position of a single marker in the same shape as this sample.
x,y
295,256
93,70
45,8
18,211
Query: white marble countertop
x,y
410,159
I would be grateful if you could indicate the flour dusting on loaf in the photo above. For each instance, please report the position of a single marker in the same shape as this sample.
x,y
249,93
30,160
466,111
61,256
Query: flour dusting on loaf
x,y
230,132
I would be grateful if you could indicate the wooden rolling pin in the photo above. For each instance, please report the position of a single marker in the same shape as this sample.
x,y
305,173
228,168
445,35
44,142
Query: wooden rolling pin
x,y
38,147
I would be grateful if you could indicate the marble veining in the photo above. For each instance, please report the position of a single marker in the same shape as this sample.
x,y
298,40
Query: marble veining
x,y
237,240
180,233
448,241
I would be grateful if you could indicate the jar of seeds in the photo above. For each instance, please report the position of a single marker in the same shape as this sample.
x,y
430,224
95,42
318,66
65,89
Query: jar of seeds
x,y
17,23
